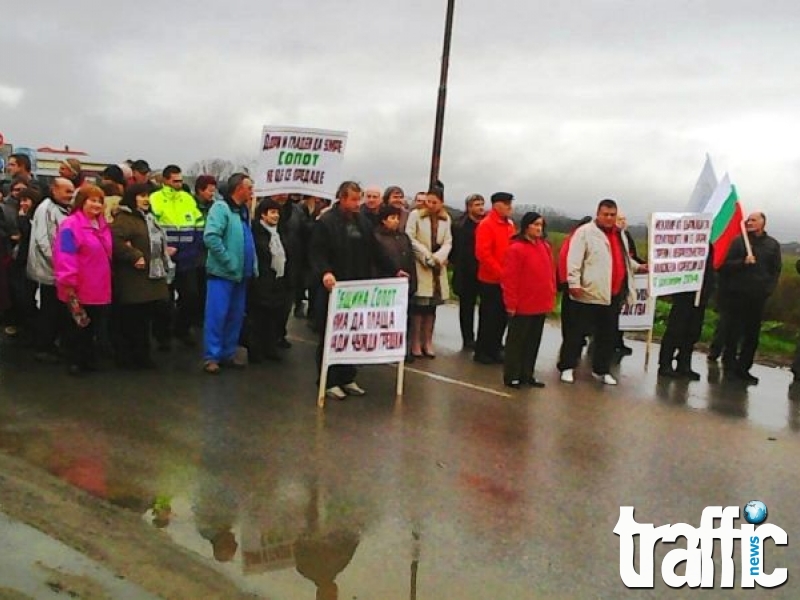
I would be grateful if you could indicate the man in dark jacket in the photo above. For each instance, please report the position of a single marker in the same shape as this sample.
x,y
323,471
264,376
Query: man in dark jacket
x,y
291,227
684,327
465,267
751,279
343,248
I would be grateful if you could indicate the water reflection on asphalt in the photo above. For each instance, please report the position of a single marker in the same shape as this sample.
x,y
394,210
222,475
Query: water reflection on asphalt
x,y
449,492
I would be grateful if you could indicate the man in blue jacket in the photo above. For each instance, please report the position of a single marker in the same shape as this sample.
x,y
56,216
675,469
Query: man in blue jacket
x,y
231,262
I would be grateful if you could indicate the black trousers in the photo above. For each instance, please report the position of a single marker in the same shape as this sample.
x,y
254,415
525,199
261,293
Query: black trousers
x,y
53,320
796,361
264,331
492,320
684,326
337,374
601,321
132,333
745,314
522,346
721,330
176,318
80,341
467,299
23,298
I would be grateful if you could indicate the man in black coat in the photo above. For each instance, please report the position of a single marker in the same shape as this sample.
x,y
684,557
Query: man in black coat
x,y
465,266
684,327
343,248
751,279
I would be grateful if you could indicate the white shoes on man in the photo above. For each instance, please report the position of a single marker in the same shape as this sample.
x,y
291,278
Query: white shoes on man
x,y
568,376
606,379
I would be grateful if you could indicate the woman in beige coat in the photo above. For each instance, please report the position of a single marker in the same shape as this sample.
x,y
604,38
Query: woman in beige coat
x,y
430,231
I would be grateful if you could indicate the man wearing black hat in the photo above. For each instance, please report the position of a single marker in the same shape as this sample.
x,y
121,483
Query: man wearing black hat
x,y
492,238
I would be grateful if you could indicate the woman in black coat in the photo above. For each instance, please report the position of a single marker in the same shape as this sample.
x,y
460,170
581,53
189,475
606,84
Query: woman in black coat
x,y
268,291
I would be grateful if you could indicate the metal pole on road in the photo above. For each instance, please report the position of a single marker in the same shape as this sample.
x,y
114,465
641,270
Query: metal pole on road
x,y
439,127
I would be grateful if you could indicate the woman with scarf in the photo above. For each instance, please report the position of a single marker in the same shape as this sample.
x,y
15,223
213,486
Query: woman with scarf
x,y
141,266
529,293
268,291
431,237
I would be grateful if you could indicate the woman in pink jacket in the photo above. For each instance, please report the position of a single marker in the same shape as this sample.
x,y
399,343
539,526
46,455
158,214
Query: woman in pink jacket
x,y
529,293
82,263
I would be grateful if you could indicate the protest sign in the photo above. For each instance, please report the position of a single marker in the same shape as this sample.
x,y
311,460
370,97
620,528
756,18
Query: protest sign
x,y
678,250
639,315
366,325
294,160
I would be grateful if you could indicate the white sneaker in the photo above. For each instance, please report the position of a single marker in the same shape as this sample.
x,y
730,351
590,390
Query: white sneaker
x,y
353,389
607,379
568,376
335,393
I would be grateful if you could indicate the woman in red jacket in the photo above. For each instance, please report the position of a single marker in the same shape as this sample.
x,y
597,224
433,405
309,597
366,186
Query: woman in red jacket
x,y
529,293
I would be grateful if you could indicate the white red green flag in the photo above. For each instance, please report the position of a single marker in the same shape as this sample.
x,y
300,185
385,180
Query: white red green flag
x,y
728,215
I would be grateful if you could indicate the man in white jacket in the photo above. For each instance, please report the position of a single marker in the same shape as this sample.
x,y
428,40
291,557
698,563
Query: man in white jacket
x,y
600,278
44,226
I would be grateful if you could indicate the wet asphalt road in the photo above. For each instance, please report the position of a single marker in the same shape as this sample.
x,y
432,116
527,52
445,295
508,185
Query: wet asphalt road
x,y
458,490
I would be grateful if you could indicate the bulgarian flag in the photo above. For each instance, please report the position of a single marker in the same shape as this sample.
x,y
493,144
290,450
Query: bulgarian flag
x,y
728,216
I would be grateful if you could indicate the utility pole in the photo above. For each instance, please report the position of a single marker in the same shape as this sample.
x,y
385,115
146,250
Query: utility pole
x,y
439,127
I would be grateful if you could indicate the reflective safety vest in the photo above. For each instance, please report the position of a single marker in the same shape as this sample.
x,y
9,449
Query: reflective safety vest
x,y
182,221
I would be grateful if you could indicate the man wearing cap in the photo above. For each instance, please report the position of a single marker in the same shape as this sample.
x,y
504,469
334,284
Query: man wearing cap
x,y
599,279
141,174
492,238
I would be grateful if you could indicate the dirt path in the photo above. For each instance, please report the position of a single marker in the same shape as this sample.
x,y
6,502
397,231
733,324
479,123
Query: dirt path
x,y
113,537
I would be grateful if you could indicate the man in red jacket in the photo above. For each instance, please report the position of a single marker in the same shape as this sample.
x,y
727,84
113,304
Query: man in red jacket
x,y
492,239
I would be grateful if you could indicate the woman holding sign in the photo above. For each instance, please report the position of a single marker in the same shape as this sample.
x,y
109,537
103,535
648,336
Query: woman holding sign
x,y
431,236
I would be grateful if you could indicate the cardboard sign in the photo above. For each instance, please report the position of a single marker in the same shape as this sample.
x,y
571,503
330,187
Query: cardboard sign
x,y
678,250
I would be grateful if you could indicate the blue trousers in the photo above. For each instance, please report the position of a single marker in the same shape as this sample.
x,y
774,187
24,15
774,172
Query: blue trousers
x,y
225,306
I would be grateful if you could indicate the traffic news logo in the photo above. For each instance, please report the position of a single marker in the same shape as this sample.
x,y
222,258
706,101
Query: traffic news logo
x,y
698,554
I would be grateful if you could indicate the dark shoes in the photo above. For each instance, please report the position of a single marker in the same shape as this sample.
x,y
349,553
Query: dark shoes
x,y
624,350
533,382
284,343
483,359
746,377
688,374
668,372
514,383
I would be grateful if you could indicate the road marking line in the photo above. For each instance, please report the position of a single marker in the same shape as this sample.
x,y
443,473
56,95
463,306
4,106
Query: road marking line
x,y
436,376
446,379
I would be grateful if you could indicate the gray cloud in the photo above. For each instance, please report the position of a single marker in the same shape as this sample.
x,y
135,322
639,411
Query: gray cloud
x,y
560,103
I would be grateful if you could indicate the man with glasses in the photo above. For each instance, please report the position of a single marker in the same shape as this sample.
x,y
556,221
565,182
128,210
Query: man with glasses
x,y
177,212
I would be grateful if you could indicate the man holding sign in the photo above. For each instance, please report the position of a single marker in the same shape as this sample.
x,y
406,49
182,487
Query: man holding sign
x,y
343,248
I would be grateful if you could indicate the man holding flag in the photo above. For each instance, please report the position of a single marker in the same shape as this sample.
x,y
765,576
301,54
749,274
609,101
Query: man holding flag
x,y
752,268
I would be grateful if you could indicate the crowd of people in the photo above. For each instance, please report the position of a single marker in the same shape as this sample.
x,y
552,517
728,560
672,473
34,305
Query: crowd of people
x,y
136,260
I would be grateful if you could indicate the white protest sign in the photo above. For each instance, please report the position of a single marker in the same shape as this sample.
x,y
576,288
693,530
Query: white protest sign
x,y
294,160
678,250
639,315
367,322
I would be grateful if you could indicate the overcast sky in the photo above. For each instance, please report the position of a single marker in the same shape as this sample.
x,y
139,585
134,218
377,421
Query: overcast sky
x,y
560,103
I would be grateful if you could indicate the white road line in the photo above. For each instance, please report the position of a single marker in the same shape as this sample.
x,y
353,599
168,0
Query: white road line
x,y
436,376
471,386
